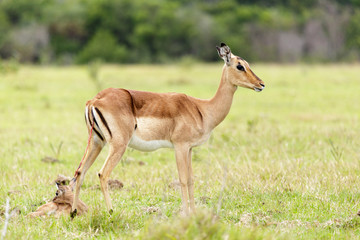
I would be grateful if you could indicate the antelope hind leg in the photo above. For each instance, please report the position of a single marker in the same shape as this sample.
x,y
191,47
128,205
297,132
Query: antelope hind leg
x,y
94,150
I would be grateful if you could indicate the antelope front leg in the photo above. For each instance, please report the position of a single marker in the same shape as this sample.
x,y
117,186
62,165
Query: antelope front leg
x,y
181,154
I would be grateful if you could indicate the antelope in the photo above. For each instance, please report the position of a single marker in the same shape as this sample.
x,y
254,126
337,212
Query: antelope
x,y
147,121
60,204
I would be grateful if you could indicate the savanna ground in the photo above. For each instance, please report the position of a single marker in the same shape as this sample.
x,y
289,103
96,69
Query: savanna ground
x,y
284,163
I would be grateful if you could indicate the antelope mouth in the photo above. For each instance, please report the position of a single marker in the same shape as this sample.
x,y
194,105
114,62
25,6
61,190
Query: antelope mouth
x,y
259,89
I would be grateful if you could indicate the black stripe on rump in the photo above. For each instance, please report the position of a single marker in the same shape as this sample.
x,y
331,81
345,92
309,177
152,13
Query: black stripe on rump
x,y
103,120
89,117
96,131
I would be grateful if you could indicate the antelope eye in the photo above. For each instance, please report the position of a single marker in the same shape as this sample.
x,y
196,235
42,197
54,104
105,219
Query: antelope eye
x,y
57,194
240,67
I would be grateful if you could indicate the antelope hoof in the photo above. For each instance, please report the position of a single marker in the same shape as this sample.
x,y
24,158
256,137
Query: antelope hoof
x,y
73,214
111,211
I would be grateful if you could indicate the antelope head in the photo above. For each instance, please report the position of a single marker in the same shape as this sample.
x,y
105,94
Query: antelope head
x,y
238,71
63,194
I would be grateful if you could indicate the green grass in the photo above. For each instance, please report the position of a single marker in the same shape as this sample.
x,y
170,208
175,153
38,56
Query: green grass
x,y
287,158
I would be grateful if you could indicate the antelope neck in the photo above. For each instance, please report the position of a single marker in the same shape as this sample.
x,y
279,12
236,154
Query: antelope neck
x,y
219,106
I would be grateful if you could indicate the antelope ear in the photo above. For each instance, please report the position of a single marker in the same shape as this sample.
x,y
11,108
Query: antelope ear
x,y
57,185
72,184
224,52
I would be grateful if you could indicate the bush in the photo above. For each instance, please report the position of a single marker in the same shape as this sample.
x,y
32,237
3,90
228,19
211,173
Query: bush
x,y
102,46
353,31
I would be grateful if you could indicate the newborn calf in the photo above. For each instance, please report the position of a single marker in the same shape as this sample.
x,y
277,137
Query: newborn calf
x,y
61,204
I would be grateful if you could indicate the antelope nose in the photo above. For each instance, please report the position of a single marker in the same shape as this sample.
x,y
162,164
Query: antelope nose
x,y
263,85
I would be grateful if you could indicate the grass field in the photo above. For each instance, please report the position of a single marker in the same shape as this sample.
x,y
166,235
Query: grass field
x,y
283,165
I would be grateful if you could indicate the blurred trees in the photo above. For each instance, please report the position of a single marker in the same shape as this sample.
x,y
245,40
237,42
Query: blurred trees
x,y
129,31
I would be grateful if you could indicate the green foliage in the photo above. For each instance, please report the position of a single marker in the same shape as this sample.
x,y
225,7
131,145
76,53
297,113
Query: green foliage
x,y
24,11
67,27
164,31
353,31
4,26
103,46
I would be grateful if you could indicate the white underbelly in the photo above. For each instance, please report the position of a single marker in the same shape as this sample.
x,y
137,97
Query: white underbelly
x,y
148,146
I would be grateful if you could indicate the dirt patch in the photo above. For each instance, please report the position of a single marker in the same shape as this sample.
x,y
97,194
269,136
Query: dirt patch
x,y
205,199
113,184
150,210
175,184
12,192
48,159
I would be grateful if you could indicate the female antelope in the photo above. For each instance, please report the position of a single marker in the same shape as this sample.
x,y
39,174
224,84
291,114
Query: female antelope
x,y
147,121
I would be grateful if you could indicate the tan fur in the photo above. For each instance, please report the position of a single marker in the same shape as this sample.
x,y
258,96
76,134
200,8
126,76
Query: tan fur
x,y
62,180
182,120
61,204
